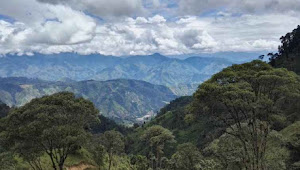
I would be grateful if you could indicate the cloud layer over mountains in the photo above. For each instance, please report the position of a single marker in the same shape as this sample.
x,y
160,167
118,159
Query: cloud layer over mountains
x,y
131,27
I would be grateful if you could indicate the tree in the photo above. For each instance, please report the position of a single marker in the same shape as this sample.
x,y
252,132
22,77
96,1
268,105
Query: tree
x,y
292,136
113,141
140,162
156,137
30,153
288,55
98,151
99,154
7,160
4,109
56,125
187,157
243,98
261,57
228,152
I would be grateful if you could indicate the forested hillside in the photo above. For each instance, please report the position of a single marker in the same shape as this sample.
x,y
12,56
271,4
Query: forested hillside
x,y
239,116
122,100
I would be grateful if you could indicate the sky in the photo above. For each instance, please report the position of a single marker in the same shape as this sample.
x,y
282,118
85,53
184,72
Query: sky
x,y
141,27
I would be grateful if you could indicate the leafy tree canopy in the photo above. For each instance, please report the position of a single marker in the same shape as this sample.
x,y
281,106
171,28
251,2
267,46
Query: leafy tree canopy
x,y
56,125
244,99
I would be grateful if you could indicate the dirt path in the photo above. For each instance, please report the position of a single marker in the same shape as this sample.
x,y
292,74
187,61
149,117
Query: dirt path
x,y
80,166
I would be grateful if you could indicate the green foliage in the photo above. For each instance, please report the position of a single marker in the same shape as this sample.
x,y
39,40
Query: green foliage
x,y
228,152
292,135
176,117
243,97
187,157
98,152
7,161
4,109
113,141
139,162
53,124
107,125
189,119
156,137
288,55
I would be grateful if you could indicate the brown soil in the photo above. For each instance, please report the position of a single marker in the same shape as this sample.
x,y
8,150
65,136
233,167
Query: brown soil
x,y
80,166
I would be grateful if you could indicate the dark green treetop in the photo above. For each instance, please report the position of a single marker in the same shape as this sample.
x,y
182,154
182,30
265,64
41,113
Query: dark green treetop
x,y
56,125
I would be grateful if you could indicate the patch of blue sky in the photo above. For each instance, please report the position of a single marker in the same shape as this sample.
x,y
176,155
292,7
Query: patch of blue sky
x,y
51,20
97,18
170,3
7,18
219,12
210,13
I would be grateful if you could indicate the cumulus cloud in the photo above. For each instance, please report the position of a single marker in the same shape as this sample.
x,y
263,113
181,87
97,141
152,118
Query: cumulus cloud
x,y
56,26
197,39
53,25
142,35
69,27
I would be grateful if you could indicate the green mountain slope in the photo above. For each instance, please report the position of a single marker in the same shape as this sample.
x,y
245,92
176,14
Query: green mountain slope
x,y
190,120
122,100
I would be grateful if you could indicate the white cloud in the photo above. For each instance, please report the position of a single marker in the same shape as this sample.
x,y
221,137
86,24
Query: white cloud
x,y
58,25
157,19
147,35
69,27
61,26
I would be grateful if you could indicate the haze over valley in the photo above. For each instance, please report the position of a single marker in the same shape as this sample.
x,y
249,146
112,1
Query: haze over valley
x,y
182,76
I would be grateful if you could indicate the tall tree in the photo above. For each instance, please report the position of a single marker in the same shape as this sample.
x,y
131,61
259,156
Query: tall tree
x,y
56,125
113,141
156,137
244,98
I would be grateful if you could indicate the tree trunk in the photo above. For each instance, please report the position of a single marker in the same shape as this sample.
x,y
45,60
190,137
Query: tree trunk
x,y
157,159
53,163
61,167
110,160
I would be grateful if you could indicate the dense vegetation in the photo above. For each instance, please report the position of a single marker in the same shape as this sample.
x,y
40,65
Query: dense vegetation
x,y
288,55
245,117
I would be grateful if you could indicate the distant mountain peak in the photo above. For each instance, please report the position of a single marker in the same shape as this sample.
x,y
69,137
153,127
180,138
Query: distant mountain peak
x,y
154,68
156,54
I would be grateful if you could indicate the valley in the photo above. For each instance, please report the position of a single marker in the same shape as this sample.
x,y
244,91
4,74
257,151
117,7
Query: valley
x,y
125,101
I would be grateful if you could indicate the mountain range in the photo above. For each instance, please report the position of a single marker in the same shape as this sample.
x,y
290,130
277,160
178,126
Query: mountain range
x,y
182,76
125,101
